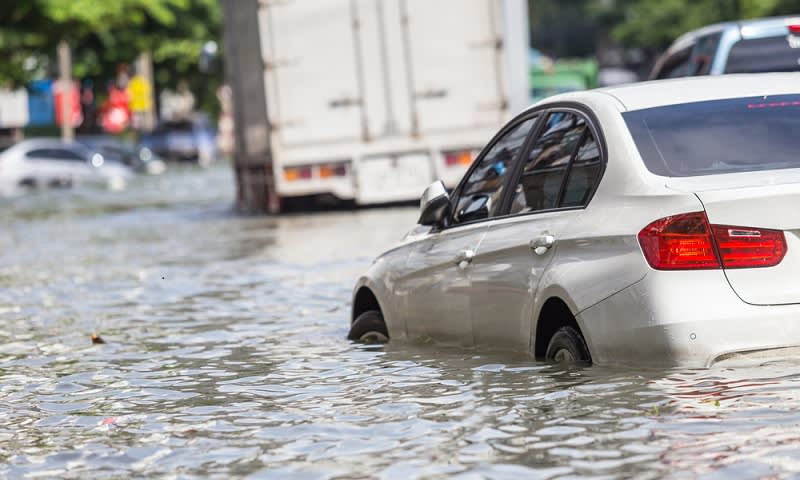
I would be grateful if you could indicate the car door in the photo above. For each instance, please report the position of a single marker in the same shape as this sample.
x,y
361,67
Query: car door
x,y
559,172
44,168
76,163
436,288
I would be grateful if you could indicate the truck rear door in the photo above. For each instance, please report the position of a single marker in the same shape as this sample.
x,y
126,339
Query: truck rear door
x,y
454,54
312,71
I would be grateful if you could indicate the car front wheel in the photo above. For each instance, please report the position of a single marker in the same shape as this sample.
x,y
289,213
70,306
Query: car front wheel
x,y
567,346
369,327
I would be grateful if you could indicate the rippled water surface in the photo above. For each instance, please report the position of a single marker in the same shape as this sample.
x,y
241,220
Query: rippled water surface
x,y
225,357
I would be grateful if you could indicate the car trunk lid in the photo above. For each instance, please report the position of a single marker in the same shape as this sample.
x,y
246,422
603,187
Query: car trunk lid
x,y
765,200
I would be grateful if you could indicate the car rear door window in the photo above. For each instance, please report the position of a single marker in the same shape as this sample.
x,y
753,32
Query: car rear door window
x,y
584,173
540,183
482,191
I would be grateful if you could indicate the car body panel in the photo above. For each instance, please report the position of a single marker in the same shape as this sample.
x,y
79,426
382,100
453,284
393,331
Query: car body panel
x,y
695,89
710,183
505,275
380,281
599,253
684,318
434,272
760,207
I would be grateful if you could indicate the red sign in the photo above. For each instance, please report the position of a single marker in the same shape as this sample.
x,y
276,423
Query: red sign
x,y
116,111
74,105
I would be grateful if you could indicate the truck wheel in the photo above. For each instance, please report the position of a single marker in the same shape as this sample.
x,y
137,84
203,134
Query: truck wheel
x,y
369,327
567,346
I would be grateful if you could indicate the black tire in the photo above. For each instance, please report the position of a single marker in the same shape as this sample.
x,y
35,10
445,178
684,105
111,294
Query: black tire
x,y
567,346
369,327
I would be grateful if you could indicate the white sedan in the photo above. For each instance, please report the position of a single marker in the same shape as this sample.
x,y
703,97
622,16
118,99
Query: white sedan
x,y
49,162
653,223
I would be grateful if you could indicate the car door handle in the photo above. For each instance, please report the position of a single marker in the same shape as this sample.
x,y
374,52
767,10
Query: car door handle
x,y
464,258
542,244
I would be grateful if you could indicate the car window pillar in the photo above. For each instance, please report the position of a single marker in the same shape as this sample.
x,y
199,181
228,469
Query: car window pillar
x,y
513,177
563,189
509,128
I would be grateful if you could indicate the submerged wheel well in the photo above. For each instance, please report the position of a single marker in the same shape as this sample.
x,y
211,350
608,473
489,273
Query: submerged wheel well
x,y
364,301
554,315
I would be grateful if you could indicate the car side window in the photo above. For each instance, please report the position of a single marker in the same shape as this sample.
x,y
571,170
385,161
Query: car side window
x,y
38,154
583,174
539,184
482,191
704,52
67,155
676,65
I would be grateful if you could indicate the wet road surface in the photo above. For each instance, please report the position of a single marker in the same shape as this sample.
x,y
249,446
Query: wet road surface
x,y
224,356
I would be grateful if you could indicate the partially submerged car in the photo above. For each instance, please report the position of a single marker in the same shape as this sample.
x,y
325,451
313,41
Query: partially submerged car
x,y
652,223
50,162
186,140
140,158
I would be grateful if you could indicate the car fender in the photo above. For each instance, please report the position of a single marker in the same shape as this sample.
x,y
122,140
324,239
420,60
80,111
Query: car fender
x,y
545,293
599,254
377,287
379,279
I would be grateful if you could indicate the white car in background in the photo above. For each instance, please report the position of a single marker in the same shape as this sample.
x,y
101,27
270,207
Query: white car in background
x,y
748,46
652,223
46,162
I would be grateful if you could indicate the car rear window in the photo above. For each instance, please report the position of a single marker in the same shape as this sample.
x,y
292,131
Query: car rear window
x,y
719,136
770,54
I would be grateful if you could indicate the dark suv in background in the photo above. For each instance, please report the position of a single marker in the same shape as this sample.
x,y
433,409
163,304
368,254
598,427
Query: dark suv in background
x,y
750,46
189,140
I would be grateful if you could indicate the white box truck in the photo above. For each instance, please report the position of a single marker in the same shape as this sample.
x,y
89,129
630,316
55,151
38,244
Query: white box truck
x,y
371,100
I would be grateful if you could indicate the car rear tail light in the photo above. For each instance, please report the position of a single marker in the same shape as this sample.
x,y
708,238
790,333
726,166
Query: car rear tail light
x,y
688,242
679,242
452,159
794,29
741,247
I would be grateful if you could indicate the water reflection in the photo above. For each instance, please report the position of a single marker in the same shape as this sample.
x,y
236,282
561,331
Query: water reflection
x,y
225,358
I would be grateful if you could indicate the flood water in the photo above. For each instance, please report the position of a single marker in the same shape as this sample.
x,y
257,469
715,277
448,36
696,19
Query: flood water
x,y
225,356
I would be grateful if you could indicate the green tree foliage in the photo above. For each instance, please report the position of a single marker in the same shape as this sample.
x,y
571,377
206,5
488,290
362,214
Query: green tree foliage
x,y
104,34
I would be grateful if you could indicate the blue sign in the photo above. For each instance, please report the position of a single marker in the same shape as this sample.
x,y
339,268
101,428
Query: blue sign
x,y
41,106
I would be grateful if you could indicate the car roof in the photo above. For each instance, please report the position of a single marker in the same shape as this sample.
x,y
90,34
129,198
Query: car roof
x,y
50,142
657,93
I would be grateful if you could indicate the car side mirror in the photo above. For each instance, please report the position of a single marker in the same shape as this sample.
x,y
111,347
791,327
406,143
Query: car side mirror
x,y
434,205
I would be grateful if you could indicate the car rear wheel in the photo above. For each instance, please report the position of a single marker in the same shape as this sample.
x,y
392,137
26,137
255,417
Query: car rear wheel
x,y
567,346
369,327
